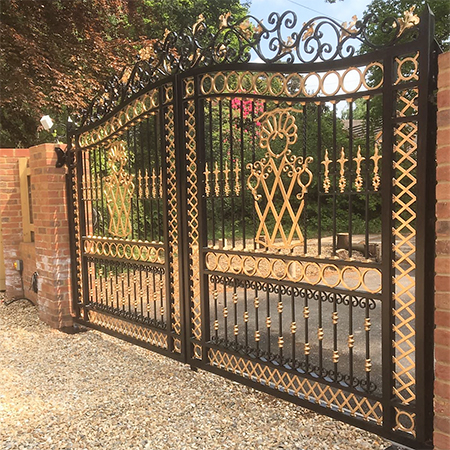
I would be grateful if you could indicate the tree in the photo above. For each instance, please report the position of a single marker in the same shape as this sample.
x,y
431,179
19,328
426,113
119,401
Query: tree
x,y
396,8
55,54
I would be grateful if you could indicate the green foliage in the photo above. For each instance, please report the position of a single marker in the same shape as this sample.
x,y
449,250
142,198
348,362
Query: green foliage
x,y
55,54
396,8
175,15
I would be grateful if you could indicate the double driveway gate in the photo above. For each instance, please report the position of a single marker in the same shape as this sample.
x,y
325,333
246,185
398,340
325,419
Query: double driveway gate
x,y
271,221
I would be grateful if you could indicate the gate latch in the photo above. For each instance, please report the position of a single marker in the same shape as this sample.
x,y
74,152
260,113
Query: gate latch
x,y
61,157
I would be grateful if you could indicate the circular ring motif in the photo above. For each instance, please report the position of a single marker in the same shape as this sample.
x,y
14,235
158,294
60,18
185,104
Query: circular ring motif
x,y
273,88
305,87
236,264
353,273
366,70
279,269
224,263
264,268
295,271
375,282
348,71
249,265
402,423
296,85
412,74
337,84
261,83
232,81
312,269
219,77
246,82
326,277
206,79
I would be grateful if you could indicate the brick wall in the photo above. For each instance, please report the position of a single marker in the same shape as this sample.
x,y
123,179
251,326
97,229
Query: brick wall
x,y
442,279
52,240
49,254
11,215
27,253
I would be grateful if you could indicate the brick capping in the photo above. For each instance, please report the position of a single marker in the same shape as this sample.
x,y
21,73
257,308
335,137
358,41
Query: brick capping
x,y
442,263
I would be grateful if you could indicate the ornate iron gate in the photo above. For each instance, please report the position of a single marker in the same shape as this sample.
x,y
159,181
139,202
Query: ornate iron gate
x,y
271,222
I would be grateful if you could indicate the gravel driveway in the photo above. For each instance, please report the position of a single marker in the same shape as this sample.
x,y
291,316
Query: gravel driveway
x,y
92,391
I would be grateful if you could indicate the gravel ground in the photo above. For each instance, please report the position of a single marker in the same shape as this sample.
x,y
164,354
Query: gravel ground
x,y
92,391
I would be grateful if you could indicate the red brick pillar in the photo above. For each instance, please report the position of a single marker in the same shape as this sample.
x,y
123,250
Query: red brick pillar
x,y
52,238
11,216
442,279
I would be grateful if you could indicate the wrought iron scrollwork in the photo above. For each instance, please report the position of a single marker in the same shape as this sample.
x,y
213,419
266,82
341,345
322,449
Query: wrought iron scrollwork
x,y
282,39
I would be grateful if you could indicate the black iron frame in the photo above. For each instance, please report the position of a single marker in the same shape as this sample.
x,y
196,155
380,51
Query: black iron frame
x,y
149,75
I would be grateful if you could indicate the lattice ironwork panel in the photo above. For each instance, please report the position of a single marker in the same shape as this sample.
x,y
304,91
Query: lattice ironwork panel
x,y
312,391
193,223
129,329
172,207
404,233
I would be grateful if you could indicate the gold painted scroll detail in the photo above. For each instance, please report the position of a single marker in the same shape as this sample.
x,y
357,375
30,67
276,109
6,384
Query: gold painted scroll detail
x,y
279,174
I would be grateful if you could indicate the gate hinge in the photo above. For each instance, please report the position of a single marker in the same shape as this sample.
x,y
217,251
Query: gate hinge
x,y
61,157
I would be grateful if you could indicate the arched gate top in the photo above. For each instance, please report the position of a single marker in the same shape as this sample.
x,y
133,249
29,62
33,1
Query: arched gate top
x,y
283,39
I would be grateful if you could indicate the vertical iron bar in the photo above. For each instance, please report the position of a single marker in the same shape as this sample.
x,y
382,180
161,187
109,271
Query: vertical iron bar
x,y
137,182
150,173
333,252
200,112
221,162
306,318
351,339
425,243
235,306
157,143
268,323
387,252
216,316
367,347
82,225
256,305
162,150
350,178
305,207
95,230
319,175
253,162
320,331
367,179
143,168
293,331
86,190
225,310
335,333
280,330
183,241
233,232
211,162
70,191
242,180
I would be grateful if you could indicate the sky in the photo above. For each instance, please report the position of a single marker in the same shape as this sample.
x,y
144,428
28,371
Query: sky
x,y
307,9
